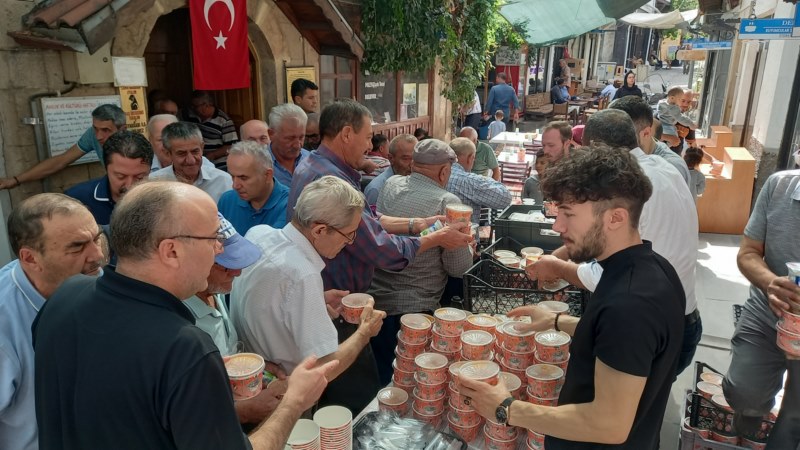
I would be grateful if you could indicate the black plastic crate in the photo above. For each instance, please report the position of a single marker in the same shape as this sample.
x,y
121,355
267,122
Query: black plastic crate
x,y
526,233
490,287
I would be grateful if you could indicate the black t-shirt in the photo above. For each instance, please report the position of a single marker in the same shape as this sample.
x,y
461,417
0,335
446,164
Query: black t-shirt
x,y
634,324
120,364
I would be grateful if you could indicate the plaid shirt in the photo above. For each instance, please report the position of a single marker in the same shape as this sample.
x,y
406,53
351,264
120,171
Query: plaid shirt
x,y
477,191
419,286
352,269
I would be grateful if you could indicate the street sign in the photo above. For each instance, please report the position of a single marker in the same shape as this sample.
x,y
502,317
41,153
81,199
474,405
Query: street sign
x,y
703,44
766,28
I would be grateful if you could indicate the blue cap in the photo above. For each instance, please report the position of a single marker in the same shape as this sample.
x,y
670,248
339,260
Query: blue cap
x,y
238,253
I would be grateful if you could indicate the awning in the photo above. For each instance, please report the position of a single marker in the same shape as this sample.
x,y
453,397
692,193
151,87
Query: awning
x,y
663,21
78,25
552,21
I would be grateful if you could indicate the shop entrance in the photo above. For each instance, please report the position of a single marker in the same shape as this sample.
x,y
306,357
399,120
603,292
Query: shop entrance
x,y
168,57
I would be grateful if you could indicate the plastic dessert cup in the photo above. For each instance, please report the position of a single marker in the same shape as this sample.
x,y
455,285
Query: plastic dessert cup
x,y
708,390
430,391
481,322
404,363
486,371
433,419
513,384
447,343
497,444
457,401
429,407
554,306
544,380
402,376
415,328
245,371
788,342
552,346
712,377
450,321
431,368
352,307
393,399
518,361
408,349
516,339
501,432
464,417
541,401
468,434
790,322
458,213
476,344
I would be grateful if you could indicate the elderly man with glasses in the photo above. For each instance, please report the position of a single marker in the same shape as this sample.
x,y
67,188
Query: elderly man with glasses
x,y
278,305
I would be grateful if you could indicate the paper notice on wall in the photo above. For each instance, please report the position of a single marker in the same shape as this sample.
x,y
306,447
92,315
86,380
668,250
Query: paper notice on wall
x,y
67,118
129,71
134,103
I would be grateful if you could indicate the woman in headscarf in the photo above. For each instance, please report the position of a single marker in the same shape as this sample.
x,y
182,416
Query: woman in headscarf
x,y
629,88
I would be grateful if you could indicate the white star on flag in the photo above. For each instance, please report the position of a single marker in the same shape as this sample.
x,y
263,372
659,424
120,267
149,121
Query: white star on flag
x,y
220,40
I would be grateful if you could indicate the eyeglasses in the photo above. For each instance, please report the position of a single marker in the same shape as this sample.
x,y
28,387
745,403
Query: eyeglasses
x,y
220,238
350,238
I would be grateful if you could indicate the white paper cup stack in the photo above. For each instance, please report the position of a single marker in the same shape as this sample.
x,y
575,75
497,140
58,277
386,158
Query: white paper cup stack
x,y
304,436
335,427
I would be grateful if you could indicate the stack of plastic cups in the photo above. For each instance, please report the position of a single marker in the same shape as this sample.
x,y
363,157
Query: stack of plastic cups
x,y
335,427
517,349
412,339
447,328
431,391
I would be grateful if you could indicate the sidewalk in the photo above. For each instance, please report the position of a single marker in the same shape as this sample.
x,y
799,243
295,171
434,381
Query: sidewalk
x,y
719,286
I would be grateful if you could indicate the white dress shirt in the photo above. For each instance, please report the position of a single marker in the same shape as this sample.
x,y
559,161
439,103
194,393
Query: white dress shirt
x,y
278,304
211,180
669,221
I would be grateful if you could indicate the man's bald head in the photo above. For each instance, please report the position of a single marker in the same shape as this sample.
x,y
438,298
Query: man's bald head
x,y
469,133
151,212
256,131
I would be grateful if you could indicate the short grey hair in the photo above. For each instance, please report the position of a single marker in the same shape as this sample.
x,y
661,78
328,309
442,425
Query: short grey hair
x,y
280,113
462,146
254,149
144,217
329,200
158,118
110,112
182,131
394,146
341,113
25,227
612,127
313,118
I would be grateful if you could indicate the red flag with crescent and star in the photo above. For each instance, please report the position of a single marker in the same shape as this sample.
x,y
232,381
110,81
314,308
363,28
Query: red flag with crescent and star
x,y
219,44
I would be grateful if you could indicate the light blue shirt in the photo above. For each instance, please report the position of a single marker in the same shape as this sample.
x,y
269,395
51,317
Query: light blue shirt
x,y
89,143
19,304
501,96
215,322
241,214
374,187
280,173
477,191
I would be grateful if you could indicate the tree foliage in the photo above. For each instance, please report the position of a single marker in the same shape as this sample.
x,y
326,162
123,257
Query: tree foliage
x,y
409,35
679,5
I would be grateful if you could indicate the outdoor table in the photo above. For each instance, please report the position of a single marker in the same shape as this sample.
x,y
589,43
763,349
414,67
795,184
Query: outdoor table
x,y
519,139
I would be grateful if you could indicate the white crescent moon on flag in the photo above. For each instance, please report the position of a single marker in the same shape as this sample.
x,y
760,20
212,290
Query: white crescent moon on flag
x,y
209,3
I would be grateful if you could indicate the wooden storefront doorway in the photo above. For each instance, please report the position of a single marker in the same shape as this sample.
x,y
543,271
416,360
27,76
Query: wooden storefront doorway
x,y
168,57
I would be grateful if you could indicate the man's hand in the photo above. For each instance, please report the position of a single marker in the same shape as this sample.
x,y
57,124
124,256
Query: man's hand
x,y
452,236
484,397
368,166
307,382
371,320
546,269
541,318
781,293
8,183
275,369
258,408
333,302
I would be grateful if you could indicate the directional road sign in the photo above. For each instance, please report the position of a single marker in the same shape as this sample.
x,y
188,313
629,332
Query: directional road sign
x,y
766,28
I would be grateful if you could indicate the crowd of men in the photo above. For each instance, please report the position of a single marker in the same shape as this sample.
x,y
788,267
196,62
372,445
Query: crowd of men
x,y
115,310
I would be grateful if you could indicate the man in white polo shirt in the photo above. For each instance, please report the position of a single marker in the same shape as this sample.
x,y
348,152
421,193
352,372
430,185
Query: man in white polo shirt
x,y
278,305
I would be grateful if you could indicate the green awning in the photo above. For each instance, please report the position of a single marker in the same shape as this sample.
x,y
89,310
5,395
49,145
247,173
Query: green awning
x,y
551,21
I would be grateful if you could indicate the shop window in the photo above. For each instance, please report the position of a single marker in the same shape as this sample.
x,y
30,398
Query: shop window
x,y
393,97
335,78
379,94
415,95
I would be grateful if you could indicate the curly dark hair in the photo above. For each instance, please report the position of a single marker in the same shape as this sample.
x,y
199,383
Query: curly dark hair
x,y
609,177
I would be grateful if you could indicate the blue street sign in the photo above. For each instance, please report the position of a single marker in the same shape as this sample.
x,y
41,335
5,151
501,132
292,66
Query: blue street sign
x,y
796,31
704,44
766,28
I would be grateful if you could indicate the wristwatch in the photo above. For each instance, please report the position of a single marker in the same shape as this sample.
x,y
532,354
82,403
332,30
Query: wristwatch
x,y
502,411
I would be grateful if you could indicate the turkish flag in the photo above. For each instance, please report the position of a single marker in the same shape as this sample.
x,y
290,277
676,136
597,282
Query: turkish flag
x,y
219,44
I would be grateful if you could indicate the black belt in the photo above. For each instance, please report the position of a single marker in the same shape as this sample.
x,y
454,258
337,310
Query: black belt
x,y
692,317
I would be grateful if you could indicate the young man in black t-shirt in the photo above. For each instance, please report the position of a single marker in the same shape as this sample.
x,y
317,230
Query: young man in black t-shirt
x,y
625,348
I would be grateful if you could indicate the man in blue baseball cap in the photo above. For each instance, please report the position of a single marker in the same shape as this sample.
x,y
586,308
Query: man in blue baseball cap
x,y
211,315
